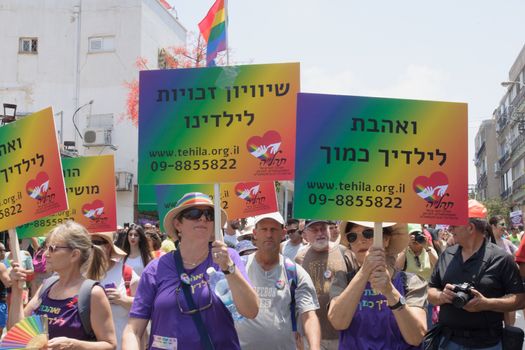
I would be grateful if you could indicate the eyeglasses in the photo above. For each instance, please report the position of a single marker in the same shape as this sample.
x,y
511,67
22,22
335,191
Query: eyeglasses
x,y
99,242
53,248
186,311
367,234
196,214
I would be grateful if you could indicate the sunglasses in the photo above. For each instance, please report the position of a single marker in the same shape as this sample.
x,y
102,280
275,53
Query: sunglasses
x,y
53,248
367,234
502,224
196,214
292,231
99,242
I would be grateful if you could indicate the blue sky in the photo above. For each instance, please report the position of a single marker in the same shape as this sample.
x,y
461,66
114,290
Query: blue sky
x,y
455,51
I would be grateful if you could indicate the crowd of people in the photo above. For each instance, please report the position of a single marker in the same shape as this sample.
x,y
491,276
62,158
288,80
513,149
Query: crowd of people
x,y
292,284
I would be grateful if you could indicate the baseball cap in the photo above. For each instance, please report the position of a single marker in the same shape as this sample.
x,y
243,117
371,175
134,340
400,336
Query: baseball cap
x,y
414,228
274,216
476,209
309,222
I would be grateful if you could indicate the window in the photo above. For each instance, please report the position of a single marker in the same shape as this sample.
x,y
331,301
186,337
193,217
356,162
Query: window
x,y
101,44
28,45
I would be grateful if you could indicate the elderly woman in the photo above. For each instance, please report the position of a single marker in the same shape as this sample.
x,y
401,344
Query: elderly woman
x,y
174,291
69,253
373,306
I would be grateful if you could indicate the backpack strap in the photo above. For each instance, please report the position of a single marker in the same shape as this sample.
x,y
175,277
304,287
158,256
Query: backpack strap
x,y
46,285
291,274
84,305
127,273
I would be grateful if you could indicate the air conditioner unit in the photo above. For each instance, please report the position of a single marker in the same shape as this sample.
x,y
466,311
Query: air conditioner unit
x,y
123,181
97,137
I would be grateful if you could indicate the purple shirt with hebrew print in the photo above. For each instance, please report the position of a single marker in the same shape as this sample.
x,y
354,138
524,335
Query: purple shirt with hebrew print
x,y
159,298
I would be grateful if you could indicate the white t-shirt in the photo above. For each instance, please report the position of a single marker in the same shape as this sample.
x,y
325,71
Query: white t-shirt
x,y
120,314
272,328
231,240
289,250
136,264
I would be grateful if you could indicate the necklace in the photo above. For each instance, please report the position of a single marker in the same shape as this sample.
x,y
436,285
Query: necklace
x,y
197,262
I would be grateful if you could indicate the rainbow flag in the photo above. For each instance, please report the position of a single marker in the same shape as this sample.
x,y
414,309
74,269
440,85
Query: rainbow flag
x,y
213,30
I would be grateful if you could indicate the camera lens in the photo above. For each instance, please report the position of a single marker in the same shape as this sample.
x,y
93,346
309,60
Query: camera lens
x,y
461,299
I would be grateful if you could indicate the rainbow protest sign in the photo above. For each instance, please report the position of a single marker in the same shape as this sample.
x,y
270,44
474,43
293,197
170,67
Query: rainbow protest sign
x,y
217,124
90,187
379,159
31,182
239,200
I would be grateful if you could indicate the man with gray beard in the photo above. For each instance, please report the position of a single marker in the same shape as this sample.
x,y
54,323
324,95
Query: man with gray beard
x,y
322,259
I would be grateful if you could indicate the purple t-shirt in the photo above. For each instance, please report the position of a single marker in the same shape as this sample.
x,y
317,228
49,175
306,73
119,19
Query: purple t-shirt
x,y
63,315
159,298
372,320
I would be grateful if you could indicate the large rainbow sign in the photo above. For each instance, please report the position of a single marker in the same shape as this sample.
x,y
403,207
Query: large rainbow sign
x,y
31,181
380,159
217,124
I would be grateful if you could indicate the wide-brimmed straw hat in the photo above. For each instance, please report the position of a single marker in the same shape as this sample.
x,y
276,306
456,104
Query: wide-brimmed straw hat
x,y
189,200
116,252
398,238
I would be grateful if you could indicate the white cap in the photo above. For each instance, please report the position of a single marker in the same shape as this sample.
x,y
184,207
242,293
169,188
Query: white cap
x,y
274,216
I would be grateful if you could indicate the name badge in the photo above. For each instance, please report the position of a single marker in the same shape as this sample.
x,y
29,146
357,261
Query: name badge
x,y
166,343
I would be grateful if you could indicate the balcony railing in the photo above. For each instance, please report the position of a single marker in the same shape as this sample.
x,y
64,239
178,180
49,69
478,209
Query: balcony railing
x,y
519,182
504,158
506,193
517,142
480,150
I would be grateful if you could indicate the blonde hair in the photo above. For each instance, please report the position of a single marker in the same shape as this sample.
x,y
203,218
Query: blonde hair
x,y
92,257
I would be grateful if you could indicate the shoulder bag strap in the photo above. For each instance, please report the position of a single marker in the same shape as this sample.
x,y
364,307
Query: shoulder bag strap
x,y
197,319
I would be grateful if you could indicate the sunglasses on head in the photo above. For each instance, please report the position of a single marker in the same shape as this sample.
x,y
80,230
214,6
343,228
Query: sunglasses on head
x,y
99,242
367,234
196,214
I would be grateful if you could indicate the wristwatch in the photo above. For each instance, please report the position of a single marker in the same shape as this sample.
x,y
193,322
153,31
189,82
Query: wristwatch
x,y
229,270
401,303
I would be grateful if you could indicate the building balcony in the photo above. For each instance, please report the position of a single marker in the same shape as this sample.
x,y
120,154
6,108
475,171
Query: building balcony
x,y
505,194
517,142
482,180
480,150
504,159
519,183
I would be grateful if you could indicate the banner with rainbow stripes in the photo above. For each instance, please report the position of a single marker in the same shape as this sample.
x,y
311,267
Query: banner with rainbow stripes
x,y
217,125
91,197
381,159
31,181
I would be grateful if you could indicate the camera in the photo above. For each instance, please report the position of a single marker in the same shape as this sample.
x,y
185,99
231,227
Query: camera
x,y
463,294
419,237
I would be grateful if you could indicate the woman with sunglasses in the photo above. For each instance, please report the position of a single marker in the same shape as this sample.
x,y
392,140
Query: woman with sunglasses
x,y
119,281
375,307
174,290
69,254
137,249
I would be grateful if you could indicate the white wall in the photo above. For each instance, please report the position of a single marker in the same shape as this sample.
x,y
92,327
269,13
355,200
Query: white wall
x,y
33,82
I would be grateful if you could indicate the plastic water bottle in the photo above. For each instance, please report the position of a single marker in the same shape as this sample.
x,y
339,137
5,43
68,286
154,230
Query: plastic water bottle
x,y
219,285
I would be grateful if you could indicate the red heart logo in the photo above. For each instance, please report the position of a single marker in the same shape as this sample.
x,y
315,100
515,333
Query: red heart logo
x,y
247,190
266,146
431,188
38,187
94,209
